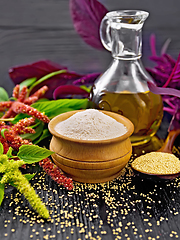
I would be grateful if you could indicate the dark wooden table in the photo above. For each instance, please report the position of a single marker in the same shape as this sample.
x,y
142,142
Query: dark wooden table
x,y
129,207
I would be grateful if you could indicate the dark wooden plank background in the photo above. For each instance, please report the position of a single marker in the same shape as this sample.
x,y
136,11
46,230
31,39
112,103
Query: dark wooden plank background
x,y
31,30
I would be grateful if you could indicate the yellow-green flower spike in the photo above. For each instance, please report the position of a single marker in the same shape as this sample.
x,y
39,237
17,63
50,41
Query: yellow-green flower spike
x,y
11,171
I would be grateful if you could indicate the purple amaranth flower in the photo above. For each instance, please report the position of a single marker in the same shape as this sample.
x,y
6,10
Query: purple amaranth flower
x,y
166,75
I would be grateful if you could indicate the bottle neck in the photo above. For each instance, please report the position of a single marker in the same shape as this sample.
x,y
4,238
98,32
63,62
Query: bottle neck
x,y
126,42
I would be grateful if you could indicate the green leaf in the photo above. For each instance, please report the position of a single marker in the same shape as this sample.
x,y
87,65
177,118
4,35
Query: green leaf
x,y
2,186
33,153
29,176
3,95
2,132
87,89
55,107
1,148
44,135
43,100
45,78
59,111
33,136
9,153
28,82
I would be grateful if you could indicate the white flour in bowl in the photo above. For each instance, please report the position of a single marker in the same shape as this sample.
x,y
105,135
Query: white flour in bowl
x,y
90,124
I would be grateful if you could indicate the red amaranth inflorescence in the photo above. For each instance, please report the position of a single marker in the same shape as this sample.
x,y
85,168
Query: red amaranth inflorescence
x,y
39,93
10,136
22,94
55,173
22,126
15,93
22,102
19,107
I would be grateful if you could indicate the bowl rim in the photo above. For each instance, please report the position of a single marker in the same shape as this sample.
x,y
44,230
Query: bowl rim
x,y
128,124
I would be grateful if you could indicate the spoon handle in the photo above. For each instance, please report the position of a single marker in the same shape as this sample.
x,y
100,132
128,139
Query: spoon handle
x,y
168,144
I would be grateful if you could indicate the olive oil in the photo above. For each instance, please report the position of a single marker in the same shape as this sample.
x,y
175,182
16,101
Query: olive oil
x,y
123,87
145,110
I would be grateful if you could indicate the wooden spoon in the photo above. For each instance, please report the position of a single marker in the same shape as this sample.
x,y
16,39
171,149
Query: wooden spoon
x,y
167,148
168,144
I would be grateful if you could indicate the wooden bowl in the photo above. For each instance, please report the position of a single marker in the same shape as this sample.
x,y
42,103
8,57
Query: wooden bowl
x,y
91,161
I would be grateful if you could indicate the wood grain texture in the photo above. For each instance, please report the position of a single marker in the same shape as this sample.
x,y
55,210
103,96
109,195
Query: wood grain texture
x,y
91,161
91,150
91,175
31,30
93,165
131,207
